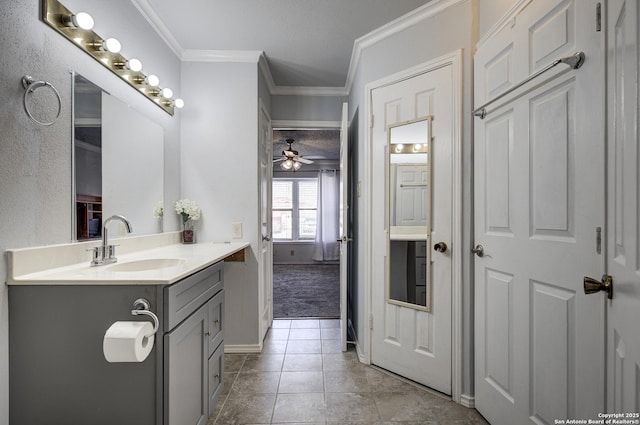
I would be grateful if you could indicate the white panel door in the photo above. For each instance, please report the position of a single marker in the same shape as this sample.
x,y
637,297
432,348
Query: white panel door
x,y
411,195
266,251
344,221
539,196
407,341
623,195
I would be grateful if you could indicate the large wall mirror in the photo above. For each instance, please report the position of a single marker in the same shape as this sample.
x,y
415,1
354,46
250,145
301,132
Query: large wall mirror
x,y
409,214
118,163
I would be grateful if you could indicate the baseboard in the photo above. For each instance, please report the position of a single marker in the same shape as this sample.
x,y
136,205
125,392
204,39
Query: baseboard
x,y
242,348
468,401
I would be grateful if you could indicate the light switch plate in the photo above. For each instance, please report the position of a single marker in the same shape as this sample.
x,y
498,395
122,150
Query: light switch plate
x,y
236,230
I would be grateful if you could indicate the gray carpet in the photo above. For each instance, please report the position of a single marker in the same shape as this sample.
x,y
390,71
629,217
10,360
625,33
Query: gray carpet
x,y
306,290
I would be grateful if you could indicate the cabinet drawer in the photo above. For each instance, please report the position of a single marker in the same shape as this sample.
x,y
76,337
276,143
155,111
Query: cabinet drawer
x,y
183,298
216,316
216,381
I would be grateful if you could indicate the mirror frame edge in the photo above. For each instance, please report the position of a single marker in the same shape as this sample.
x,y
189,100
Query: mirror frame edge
x,y
426,308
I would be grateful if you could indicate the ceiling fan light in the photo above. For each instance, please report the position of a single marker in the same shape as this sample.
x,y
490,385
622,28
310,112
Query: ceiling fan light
x,y
286,165
296,165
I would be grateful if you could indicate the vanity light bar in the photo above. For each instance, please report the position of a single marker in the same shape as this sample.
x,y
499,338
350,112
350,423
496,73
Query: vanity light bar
x,y
408,148
57,16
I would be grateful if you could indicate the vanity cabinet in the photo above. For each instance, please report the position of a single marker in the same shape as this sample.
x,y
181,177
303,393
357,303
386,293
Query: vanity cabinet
x,y
193,359
57,362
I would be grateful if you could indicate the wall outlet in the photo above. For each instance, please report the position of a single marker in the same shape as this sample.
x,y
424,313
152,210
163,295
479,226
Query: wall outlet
x,y
292,252
236,230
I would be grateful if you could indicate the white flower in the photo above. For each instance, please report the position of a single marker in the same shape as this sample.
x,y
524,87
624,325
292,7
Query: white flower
x,y
158,211
188,210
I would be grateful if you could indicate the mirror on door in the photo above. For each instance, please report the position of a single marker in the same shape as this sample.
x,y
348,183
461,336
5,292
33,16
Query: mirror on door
x,y
409,214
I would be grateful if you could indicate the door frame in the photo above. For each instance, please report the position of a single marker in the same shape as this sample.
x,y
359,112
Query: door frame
x,y
262,331
453,59
308,125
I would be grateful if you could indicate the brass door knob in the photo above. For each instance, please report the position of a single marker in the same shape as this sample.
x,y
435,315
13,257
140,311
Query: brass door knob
x,y
591,285
440,247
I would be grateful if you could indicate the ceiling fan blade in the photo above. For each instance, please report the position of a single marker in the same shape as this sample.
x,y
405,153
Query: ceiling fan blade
x,y
304,160
279,159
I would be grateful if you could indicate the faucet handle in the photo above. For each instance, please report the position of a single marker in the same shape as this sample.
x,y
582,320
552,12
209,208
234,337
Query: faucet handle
x,y
111,252
96,250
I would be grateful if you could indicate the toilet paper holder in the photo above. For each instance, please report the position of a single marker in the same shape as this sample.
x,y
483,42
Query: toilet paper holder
x,y
142,306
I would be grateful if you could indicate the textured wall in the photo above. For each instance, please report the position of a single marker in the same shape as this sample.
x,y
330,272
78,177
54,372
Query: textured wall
x,y
35,161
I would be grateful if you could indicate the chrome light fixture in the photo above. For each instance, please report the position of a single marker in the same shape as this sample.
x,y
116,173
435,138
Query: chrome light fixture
x,y
78,28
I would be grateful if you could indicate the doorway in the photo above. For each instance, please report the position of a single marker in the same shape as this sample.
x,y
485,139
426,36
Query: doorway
x,y
306,280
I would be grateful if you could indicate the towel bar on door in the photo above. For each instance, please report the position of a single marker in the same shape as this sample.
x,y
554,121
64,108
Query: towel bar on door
x,y
575,61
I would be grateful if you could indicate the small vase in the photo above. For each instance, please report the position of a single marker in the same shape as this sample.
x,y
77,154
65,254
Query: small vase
x,y
188,236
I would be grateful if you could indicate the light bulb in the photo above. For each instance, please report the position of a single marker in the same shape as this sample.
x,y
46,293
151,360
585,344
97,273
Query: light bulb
x,y
131,64
178,103
416,147
134,65
153,80
112,45
399,147
82,20
286,164
167,93
296,165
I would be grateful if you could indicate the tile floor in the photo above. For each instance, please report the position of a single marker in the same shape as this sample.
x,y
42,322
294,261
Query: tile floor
x,y
302,377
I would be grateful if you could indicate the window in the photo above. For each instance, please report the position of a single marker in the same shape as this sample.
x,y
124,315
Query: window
x,y
295,207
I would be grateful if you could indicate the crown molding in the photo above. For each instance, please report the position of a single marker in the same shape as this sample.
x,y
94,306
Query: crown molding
x,y
299,124
188,55
149,13
249,56
309,91
424,12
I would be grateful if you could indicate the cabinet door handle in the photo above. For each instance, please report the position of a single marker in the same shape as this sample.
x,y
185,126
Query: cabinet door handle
x,y
216,321
207,333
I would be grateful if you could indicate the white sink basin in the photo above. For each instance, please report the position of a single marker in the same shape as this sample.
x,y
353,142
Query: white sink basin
x,y
145,265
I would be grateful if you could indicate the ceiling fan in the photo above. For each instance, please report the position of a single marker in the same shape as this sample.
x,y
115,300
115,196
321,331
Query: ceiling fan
x,y
291,161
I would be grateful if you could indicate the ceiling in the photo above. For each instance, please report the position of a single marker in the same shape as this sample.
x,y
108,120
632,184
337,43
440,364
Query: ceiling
x,y
310,144
307,43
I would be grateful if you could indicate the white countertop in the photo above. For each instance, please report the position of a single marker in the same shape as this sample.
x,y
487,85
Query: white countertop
x,y
193,257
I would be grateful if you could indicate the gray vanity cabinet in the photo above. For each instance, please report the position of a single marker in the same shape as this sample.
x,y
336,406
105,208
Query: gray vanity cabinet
x,y
186,366
57,361
216,348
193,359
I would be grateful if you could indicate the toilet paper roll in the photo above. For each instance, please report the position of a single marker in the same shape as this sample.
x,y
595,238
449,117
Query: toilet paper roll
x,y
127,342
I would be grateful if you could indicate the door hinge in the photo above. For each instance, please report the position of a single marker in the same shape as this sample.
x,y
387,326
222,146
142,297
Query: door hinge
x,y
371,321
598,17
598,240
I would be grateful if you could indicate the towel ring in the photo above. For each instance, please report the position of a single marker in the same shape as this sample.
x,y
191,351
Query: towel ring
x,y
31,85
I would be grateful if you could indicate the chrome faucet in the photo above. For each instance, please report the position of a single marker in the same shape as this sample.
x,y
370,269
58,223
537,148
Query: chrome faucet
x,y
106,254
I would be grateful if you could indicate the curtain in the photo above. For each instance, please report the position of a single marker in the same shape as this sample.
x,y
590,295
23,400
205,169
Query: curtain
x,y
327,224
